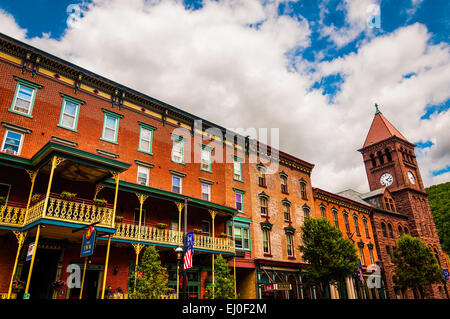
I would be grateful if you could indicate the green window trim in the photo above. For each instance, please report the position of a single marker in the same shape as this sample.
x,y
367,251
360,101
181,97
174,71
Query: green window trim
x,y
78,104
29,85
117,117
242,225
177,138
238,160
149,128
237,191
209,149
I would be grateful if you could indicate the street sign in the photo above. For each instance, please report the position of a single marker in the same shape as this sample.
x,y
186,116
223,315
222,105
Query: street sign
x,y
88,244
30,252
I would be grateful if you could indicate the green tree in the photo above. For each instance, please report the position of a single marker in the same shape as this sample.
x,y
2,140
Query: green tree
x,y
224,281
152,280
330,257
415,265
438,197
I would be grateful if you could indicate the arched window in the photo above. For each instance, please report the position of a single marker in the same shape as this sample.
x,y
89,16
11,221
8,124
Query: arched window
x,y
306,212
355,220
380,157
287,212
400,230
383,229
366,227
303,189
263,203
335,217
323,208
261,176
405,230
372,159
388,155
391,232
347,226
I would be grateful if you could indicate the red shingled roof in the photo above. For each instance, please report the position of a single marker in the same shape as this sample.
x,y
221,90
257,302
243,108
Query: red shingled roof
x,y
381,129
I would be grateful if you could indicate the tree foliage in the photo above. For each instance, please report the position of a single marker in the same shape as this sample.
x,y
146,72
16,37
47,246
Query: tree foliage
x,y
224,281
152,279
439,198
330,257
415,265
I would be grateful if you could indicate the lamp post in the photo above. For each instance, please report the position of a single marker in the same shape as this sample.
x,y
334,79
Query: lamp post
x,y
179,252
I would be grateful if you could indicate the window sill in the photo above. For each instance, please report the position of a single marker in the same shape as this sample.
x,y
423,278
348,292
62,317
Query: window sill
x,y
142,151
67,128
238,180
263,186
285,193
291,258
182,163
205,170
113,142
267,255
20,113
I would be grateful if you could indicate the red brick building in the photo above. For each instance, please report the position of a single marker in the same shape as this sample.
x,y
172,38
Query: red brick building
x,y
399,201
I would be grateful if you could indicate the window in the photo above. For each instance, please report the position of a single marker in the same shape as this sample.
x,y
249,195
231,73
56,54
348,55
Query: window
x,y
237,169
383,229
110,126
355,220
266,241
287,212
143,175
400,230
69,115
284,188
205,159
146,138
322,210
12,143
261,176
388,251
241,238
206,192
176,184
372,260
306,212
143,216
366,227
206,226
347,226
361,254
289,241
23,99
263,203
391,232
335,218
303,189
239,201
178,150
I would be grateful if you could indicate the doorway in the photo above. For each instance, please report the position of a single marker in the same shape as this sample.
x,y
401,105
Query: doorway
x,y
91,283
44,273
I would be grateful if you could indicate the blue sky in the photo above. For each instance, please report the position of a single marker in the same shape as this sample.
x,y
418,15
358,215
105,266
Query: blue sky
x,y
319,46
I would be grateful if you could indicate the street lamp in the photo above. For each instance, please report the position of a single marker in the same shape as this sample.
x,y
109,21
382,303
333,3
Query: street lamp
x,y
179,252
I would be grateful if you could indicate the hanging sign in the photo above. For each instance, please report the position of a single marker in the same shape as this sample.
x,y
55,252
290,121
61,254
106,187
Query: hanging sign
x,y
30,252
88,244
446,274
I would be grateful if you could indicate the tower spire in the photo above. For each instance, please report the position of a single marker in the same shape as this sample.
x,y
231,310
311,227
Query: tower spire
x,y
377,109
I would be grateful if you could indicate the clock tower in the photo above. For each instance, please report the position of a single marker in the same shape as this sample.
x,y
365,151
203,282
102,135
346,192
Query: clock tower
x,y
391,164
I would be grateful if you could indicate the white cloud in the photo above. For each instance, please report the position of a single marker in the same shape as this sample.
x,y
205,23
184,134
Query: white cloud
x,y
210,63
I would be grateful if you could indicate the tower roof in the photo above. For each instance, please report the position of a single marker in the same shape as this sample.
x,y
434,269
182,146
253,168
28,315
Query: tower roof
x,y
381,129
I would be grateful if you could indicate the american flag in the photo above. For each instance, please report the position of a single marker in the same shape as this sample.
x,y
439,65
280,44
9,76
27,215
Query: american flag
x,y
187,263
360,272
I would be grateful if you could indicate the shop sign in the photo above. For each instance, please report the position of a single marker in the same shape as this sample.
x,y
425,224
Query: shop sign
x,y
88,245
30,252
446,274
279,286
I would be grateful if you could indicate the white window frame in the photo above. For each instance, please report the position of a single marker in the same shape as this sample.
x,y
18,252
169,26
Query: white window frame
x,y
114,139
181,184
208,193
30,106
22,137
145,170
141,138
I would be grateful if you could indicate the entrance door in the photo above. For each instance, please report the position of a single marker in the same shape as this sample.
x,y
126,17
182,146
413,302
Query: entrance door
x,y
91,284
44,273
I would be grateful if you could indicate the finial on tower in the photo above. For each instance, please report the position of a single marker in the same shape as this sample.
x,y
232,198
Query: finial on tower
x,y
377,110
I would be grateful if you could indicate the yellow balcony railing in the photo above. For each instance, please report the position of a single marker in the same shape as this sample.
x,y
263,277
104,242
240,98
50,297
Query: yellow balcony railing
x,y
12,214
78,211
156,235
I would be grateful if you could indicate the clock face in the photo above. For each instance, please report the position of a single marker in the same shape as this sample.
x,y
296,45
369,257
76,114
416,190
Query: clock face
x,y
386,179
411,178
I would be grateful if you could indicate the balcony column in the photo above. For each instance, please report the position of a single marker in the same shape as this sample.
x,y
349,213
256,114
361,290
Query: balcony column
x,y
20,240
106,267
180,209
56,161
30,271
138,247
32,175
116,176
213,216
